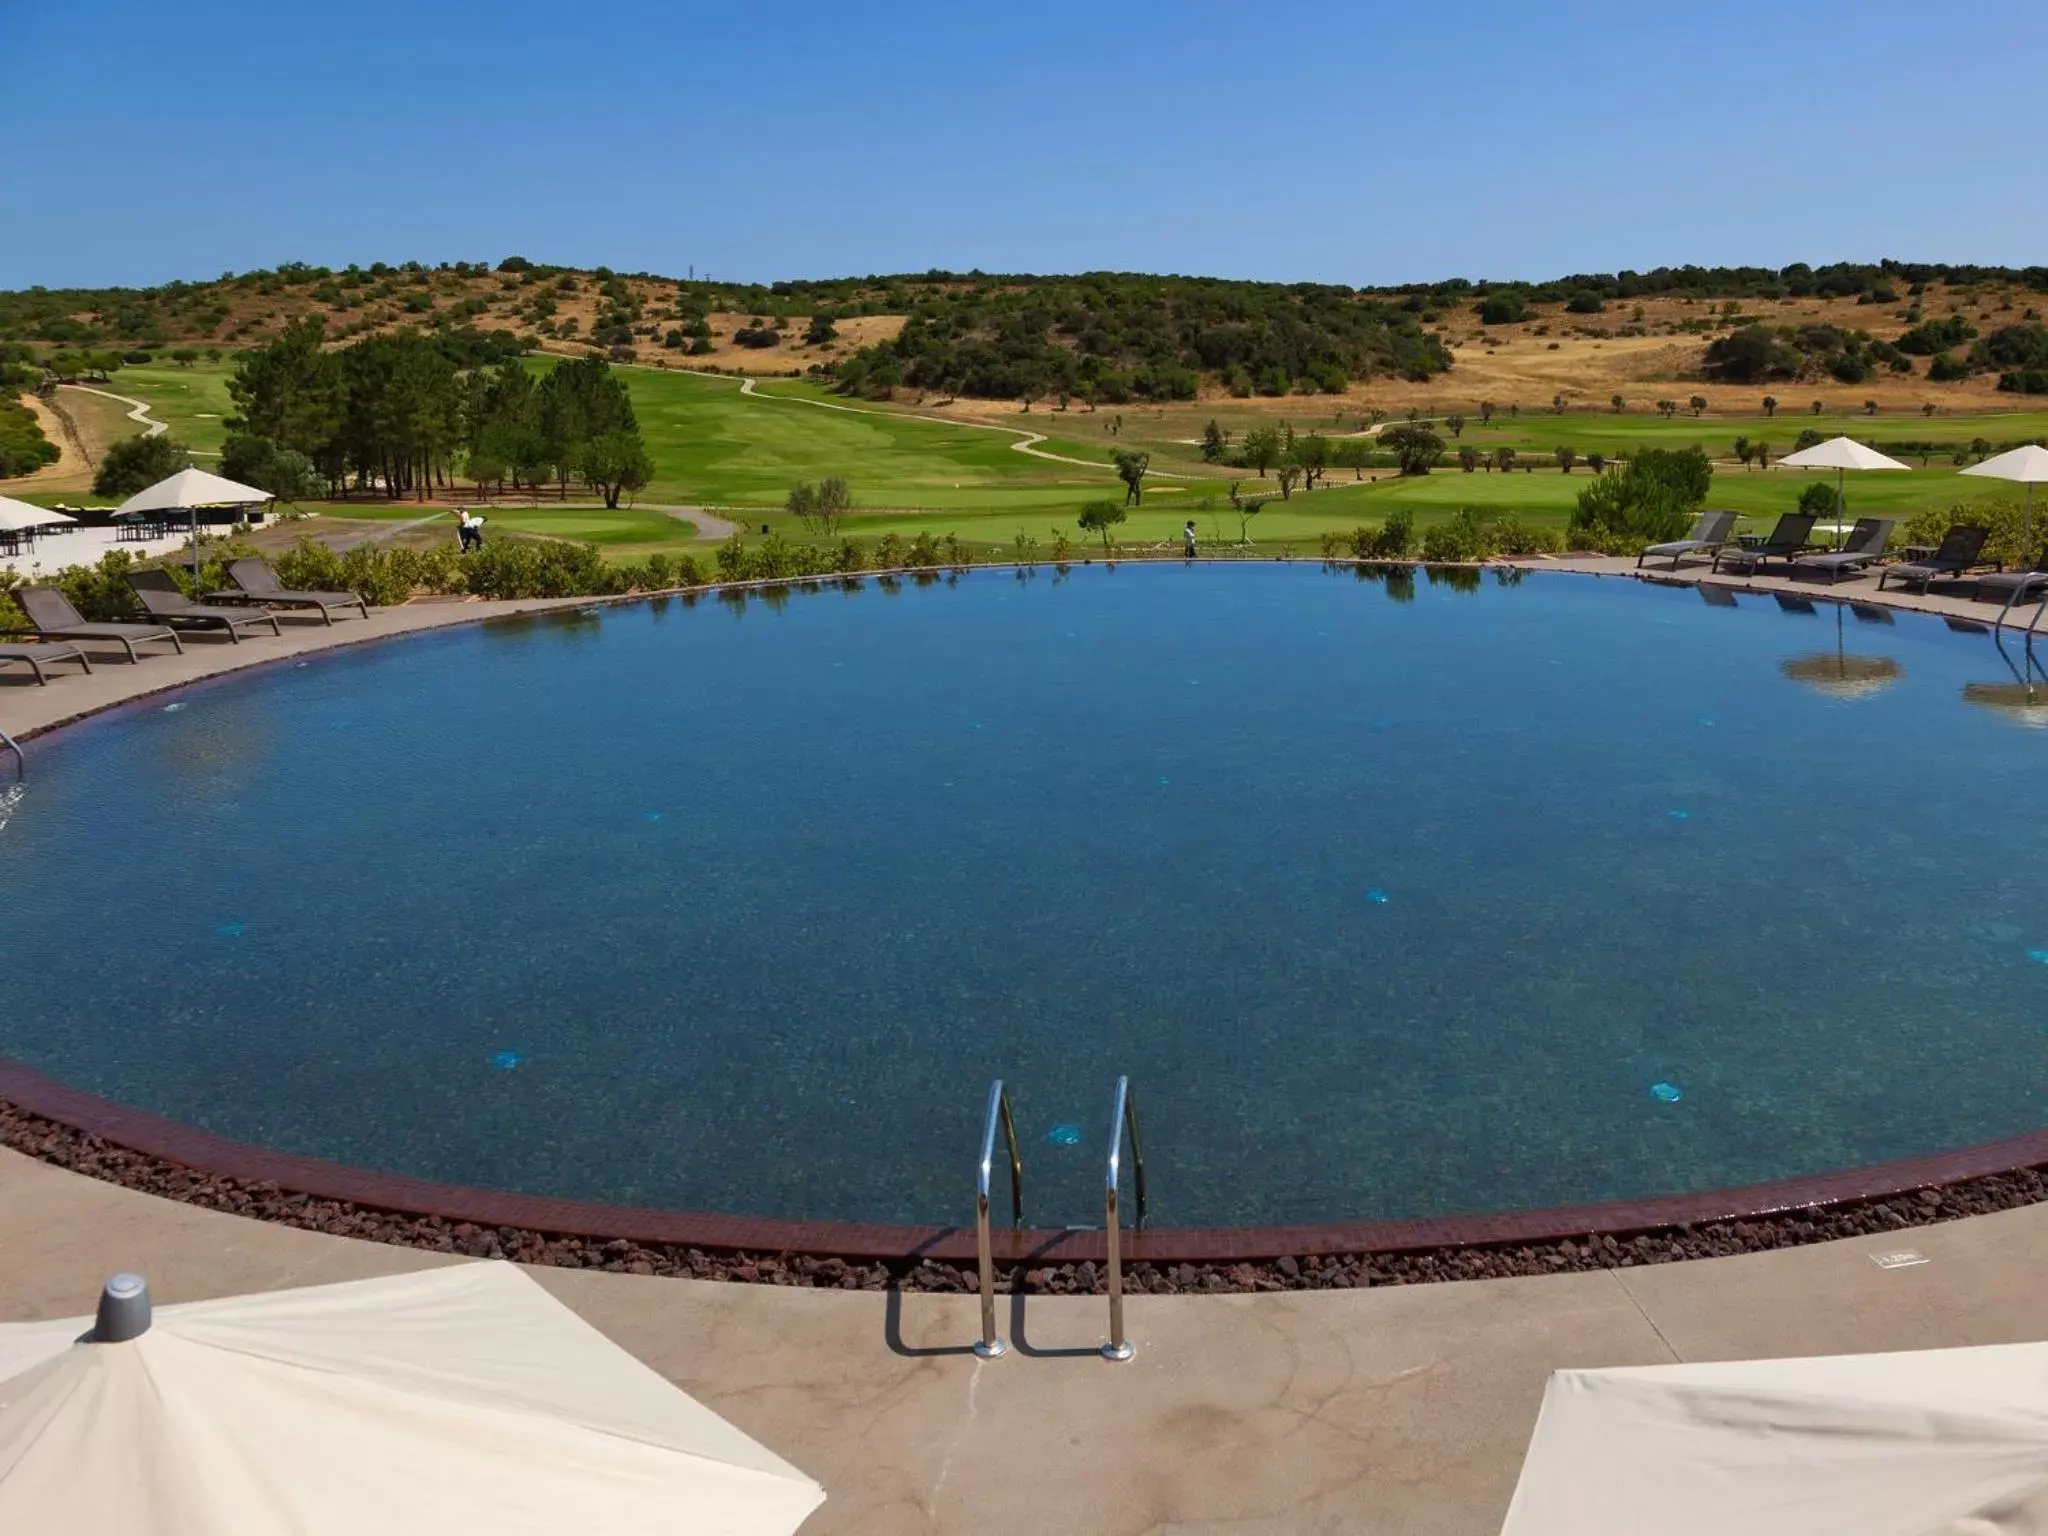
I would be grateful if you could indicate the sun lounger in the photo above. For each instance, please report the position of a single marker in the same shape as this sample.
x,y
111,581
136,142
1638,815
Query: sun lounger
x,y
1864,546
256,582
1961,551
1708,534
166,600
39,656
1791,537
53,617
2011,588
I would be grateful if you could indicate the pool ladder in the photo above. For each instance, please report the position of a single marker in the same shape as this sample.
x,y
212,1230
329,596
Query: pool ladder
x,y
20,757
1123,1118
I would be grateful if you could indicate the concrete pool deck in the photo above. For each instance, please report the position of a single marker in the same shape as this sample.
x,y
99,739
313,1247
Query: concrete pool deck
x,y
1397,1410
1391,1410
26,708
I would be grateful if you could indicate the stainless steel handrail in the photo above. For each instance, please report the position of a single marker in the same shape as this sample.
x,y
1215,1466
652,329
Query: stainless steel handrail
x,y
20,757
991,1346
1124,1114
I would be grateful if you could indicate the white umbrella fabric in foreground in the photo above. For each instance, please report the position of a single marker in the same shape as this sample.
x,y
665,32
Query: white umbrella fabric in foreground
x,y
1839,454
1941,1442
2027,464
444,1403
15,516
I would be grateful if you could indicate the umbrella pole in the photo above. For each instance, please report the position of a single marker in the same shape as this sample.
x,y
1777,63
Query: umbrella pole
x,y
195,545
1841,507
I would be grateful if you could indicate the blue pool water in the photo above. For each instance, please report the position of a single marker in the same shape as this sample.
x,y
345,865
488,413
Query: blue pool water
x,y
1391,898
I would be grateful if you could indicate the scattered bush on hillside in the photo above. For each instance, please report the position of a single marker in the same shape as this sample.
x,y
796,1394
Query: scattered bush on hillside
x,y
1505,308
1110,338
23,447
1935,336
757,336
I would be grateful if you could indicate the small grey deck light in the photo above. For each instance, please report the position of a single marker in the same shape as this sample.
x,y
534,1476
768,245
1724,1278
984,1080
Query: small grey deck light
x,y
124,1310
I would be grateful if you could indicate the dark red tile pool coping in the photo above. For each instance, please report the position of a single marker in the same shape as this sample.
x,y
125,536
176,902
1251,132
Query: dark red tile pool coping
x,y
167,1140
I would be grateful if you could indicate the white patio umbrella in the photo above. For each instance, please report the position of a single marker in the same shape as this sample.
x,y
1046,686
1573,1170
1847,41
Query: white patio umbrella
x,y
21,517
457,1402
2026,464
189,490
1937,1442
1839,454
18,515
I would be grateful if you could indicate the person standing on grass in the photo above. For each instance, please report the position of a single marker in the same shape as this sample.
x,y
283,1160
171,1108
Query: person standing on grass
x,y
1188,537
470,530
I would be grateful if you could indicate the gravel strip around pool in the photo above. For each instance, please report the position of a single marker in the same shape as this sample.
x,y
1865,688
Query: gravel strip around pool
x,y
96,1157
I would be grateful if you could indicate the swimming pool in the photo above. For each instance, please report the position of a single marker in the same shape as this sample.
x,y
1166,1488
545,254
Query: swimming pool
x,y
1393,898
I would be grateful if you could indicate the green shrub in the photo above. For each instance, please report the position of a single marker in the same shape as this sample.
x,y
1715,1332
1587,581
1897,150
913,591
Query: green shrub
x,y
137,463
1512,536
1459,537
507,567
2003,514
1651,499
924,551
1818,499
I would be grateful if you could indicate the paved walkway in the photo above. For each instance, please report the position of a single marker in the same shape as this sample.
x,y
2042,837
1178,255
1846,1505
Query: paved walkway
x,y
25,708
1860,590
1402,1411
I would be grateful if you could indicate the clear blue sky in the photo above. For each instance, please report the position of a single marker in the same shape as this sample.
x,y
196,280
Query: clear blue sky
x,y
1355,143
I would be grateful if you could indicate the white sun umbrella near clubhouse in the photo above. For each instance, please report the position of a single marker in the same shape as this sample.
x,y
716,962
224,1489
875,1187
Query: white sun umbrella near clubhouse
x,y
2026,464
189,490
19,516
463,1401
1839,454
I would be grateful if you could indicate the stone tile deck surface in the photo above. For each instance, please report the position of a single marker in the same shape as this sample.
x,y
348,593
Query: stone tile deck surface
x,y
1401,1410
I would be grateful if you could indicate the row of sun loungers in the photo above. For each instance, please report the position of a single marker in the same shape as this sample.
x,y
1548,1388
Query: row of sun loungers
x,y
1958,560
251,604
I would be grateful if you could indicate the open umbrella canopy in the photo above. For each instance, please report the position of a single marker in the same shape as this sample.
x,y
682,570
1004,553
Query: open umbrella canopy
x,y
17,515
2026,465
453,1401
1839,453
1937,1442
193,488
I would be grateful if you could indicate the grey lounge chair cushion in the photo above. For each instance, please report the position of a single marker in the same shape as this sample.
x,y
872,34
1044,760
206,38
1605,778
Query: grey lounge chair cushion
x,y
1711,531
257,579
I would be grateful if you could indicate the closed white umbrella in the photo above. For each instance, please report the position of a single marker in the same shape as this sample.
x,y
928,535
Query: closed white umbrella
x,y
1839,454
2026,464
189,490
463,1401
